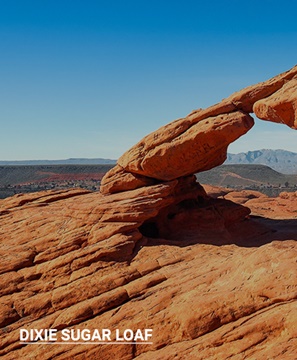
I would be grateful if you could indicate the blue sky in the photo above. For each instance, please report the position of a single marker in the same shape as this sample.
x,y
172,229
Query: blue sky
x,y
91,78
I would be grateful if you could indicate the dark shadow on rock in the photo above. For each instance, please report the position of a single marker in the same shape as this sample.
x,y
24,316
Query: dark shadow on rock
x,y
283,229
214,222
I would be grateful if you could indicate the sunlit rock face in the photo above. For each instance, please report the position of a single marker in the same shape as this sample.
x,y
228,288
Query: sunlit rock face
x,y
199,141
211,272
281,106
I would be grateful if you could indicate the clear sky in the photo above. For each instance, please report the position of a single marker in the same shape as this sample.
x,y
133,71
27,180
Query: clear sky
x,y
83,78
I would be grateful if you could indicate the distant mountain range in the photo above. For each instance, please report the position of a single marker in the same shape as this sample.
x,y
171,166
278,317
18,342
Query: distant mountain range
x,y
72,161
280,160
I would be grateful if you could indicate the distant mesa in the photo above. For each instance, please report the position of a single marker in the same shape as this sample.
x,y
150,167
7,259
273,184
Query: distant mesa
x,y
250,177
282,161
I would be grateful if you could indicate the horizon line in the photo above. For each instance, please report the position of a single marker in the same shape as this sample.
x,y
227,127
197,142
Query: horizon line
x,y
110,159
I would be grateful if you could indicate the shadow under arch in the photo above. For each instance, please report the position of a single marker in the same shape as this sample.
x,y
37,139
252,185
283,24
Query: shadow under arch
x,y
215,222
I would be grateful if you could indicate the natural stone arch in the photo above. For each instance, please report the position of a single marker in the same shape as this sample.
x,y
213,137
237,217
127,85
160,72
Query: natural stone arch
x,y
199,141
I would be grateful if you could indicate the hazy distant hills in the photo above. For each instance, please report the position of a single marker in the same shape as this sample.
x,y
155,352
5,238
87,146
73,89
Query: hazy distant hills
x,y
15,179
245,175
22,176
72,161
280,160
19,174
249,176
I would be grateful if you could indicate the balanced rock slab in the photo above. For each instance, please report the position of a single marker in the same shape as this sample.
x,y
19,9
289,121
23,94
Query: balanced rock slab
x,y
200,147
199,141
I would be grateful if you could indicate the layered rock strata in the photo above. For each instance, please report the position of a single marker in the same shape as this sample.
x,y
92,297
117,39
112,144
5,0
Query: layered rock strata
x,y
211,271
207,280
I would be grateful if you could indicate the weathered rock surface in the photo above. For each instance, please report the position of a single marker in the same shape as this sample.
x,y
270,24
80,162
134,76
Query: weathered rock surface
x,y
80,260
117,179
213,273
281,106
201,147
199,141
246,98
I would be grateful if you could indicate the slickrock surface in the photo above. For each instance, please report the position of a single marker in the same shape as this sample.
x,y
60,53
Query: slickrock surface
x,y
212,272
224,285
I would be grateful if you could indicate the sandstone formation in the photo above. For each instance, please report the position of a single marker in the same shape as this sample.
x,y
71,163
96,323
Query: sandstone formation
x,y
199,141
223,285
281,106
211,271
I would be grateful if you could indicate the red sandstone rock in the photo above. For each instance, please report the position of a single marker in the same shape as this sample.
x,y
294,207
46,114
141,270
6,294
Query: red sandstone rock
x,y
79,261
245,98
201,147
212,278
243,196
282,207
118,179
199,141
183,147
281,106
